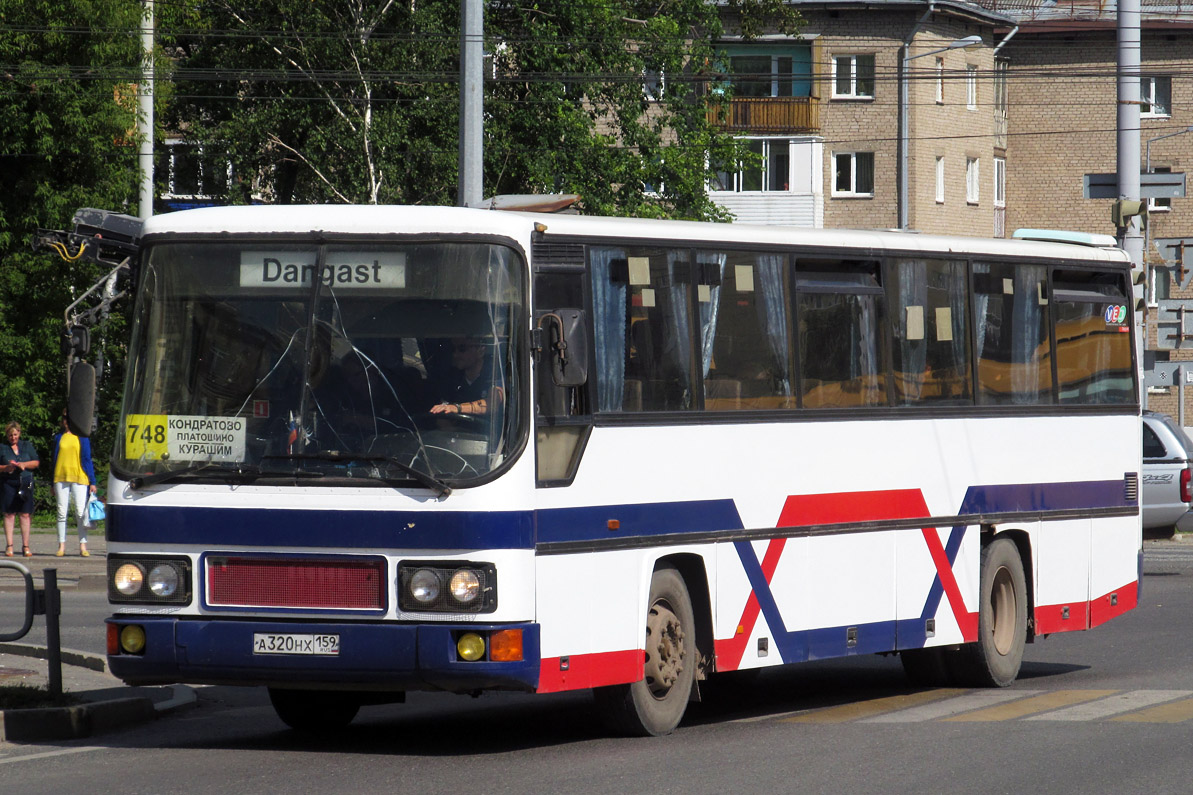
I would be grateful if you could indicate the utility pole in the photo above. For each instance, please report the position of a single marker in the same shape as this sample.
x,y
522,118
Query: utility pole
x,y
145,111
1128,122
472,26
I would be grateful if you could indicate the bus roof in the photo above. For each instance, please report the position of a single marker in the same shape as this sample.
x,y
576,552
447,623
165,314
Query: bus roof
x,y
381,219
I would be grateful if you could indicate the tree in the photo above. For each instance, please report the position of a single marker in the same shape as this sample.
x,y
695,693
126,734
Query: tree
x,y
64,144
358,101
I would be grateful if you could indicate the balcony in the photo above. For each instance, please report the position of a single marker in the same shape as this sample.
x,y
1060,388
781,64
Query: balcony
x,y
768,115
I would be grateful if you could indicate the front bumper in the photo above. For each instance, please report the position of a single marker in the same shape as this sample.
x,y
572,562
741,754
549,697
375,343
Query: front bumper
x,y
372,656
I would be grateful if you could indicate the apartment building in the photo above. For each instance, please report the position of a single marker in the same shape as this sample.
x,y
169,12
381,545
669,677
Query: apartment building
x,y
824,112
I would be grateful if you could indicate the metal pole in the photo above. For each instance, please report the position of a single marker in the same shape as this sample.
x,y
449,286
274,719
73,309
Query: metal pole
x,y
145,111
903,133
1128,150
53,637
471,187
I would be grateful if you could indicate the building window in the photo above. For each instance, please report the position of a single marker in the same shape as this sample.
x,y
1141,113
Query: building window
x,y
853,77
1000,182
940,180
770,172
1155,94
756,74
193,174
940,81
971,86
1160,205
853,174
1000,88
653,84
971,180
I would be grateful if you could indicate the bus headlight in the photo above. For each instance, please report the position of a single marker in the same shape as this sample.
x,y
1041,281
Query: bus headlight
x,y
163,580
465,586
447,587
128,579
424,586
149,579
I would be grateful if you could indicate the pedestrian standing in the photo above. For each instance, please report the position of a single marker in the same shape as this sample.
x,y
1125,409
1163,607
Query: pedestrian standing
x,y
18,462
74,479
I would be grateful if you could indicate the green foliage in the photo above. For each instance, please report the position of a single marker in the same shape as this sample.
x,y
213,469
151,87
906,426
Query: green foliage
x,y
356,102
62,146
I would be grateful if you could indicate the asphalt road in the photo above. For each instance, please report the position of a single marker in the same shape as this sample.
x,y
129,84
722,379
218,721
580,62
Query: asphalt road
x,y
1109,710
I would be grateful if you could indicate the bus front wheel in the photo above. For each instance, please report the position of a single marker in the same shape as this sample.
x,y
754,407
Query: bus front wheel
x,y
1002,621
314,711
655,704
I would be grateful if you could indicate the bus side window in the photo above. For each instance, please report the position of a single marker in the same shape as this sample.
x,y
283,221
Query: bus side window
x,y
931,339
1014,355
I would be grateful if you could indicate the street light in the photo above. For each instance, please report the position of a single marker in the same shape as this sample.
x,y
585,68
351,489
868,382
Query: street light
x,y
1148,147
968,41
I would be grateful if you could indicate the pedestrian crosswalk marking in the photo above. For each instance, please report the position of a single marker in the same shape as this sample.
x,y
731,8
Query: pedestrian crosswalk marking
x,y
864,709
1029,706
1116,704
966,702
1172,712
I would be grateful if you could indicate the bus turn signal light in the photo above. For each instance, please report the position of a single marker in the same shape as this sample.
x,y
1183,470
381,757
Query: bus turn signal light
x,y
505,645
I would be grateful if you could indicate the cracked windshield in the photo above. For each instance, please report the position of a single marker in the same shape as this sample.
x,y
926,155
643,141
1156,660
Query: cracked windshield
x,y
385,362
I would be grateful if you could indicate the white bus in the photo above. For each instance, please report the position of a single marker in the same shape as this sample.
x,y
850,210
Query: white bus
x,y
367,450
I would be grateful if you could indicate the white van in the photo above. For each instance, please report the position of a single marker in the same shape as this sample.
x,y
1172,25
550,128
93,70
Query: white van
x,y
1167,471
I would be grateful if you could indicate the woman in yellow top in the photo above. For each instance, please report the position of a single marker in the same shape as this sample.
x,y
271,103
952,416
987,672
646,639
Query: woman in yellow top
x,y
74,477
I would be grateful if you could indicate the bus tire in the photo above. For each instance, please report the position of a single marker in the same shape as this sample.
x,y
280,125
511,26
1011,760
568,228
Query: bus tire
x,y
994,660
654,705
314,711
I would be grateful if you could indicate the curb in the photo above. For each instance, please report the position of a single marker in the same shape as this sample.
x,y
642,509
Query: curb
x,y
84,720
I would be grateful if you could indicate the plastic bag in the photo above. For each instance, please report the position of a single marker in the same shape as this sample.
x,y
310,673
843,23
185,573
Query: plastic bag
x,y
96,512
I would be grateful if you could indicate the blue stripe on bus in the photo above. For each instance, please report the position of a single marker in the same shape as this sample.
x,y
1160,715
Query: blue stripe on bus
x,y
591,523
259,527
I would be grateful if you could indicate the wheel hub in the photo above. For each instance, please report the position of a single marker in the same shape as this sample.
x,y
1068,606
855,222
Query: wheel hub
x,y
665,650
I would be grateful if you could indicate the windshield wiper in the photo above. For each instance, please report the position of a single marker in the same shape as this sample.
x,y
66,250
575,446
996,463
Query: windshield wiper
x,y
243,470
429,481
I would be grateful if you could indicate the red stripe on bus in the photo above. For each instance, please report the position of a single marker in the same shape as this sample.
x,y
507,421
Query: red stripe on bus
x,y
1085,615
730,651
855,506
590,670
966,621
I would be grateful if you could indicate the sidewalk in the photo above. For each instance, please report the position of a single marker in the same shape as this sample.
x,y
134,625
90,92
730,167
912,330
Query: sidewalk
x,y
106,703
74,571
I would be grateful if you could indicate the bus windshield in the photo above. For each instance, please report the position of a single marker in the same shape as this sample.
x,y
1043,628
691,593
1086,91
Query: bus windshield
x,y
382,362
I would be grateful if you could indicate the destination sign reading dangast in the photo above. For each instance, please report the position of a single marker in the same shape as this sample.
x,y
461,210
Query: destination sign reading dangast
x,y
341,269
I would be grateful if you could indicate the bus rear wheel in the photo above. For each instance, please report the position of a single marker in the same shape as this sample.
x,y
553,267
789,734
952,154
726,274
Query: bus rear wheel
x,y
1002,621
655,704
314,711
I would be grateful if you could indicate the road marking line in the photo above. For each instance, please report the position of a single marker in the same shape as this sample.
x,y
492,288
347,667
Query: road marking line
x,y
48,754
1029,706
1113,705
967,702
1173,712
875,706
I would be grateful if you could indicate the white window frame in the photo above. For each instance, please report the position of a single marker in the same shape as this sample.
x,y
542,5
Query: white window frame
x,y
654,84
940,179
1148,97
200,156
971,86
1001,70
767,144
853,76
852,192
939,80
972,180
1000,182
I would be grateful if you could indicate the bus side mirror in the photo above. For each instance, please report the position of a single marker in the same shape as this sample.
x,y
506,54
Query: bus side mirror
x,y
80,400
565,339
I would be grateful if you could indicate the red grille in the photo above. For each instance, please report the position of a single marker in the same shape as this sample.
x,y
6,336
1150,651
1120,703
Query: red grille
x,y
281,582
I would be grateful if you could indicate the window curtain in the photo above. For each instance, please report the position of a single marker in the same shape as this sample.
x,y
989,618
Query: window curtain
x,y
709,262
913,354
677,333
1031,373
609,308
772,315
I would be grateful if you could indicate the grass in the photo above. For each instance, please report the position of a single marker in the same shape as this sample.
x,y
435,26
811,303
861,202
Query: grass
x,y
31,697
